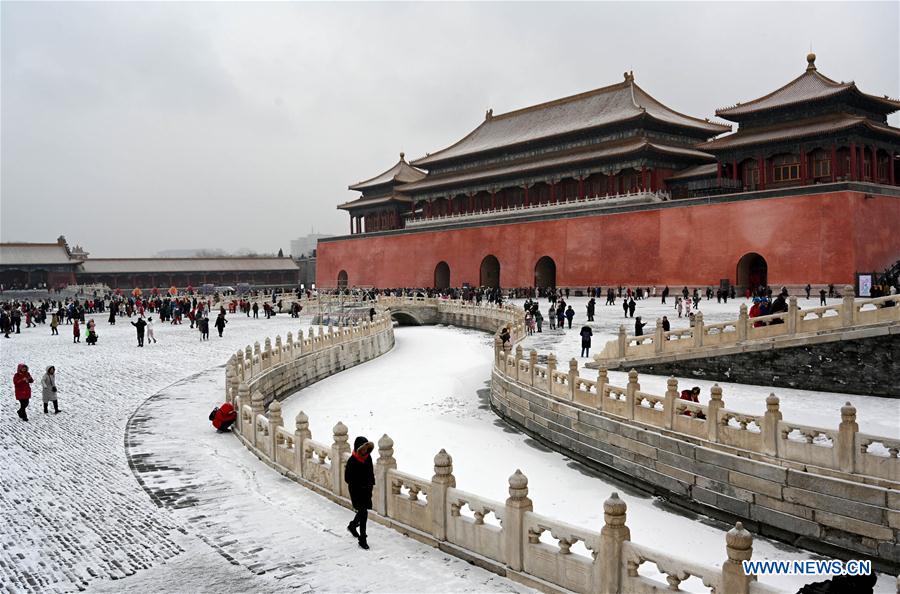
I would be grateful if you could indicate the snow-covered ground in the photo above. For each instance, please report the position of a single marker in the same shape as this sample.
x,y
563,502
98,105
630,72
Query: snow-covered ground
x,y
74,514
880,416
430,392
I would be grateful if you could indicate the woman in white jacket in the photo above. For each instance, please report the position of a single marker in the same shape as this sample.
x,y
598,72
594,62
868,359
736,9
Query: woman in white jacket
x,y
48,386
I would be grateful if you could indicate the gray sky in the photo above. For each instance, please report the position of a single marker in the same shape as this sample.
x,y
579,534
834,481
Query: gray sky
x,y
135,127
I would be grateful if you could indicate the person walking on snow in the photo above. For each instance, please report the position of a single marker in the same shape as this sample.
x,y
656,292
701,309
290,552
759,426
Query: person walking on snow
x,y
631,306
586,334
570,313
48,389
359,474
76,331
220,323
140,325
22,381
150,337
639,326
54,325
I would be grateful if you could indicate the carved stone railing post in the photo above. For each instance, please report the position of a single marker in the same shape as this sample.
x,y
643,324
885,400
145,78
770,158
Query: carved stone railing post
x,y
338,448
622,341
712,412
498,352
671,397
257,407
743,323
278,350
248,368
275,421
602,380
311,336
739,547
442,480
267,354
257,354
229,383
697,331
243,397
612,535
658,340
632,387
792,315
518,359
385,463
846,439
532,359
551,367
517,505
301,434
847,306
769,429
573,378
290,346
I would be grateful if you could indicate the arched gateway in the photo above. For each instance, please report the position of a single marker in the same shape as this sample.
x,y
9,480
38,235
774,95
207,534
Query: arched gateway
x,y
490,272
752,271
442,276
545,273
342,281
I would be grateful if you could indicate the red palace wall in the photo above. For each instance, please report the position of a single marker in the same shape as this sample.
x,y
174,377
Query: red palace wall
x,y
821,238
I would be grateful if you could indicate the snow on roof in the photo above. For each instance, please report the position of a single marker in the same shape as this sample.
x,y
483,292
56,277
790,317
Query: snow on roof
x,y
607,105
34,254
140,265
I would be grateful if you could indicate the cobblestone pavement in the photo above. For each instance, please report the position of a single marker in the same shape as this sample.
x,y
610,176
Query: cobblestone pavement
x,y
71,511
73,516
288,536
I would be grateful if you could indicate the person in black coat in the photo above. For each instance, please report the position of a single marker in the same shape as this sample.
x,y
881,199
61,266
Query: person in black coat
x,y
591,305
359,474
586,334
140,325
639,326
220,322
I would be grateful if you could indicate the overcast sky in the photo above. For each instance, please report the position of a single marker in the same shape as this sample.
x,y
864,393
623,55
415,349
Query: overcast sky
x,y
136,127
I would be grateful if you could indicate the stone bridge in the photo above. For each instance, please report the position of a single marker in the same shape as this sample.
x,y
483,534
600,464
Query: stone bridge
x,y
811,349
832,490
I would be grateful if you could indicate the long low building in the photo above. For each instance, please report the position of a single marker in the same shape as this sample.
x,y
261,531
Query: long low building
x,y
613,187
29,265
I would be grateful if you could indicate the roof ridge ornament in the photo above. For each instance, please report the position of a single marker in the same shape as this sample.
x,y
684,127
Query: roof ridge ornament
x,y
489,114
810,62
402,156
629,76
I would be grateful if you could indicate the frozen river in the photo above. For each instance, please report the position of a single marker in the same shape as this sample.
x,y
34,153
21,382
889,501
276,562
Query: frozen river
x,y
430,392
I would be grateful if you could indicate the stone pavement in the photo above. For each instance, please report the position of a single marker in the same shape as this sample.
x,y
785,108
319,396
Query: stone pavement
x,y
74,517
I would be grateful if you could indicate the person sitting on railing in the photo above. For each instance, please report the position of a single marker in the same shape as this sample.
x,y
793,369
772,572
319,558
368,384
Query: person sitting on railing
x,y
504,336
692,395
223,417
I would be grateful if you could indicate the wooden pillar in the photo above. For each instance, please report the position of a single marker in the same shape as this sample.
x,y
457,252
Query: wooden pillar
x,y
891,167
852,161
833,164
581,188
527,202
874,164
761,163
552,192
493,200
351,225
803,167
734,169
718,171
644,182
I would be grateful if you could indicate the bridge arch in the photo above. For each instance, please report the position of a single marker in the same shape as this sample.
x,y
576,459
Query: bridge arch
x,y
342,279
405,318
490,272
442,275
752,271
545,273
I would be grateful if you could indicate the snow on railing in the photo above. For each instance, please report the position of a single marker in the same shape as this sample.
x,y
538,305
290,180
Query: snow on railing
x,y
555,207
704,338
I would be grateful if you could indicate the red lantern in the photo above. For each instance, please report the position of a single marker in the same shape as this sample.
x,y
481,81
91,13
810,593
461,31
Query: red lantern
x,y
173,291
136,292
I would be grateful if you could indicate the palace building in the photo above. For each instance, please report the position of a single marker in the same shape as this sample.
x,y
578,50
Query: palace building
x,y
612,186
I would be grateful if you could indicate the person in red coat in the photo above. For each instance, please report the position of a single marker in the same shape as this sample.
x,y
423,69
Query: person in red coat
x,y
22,381
224,417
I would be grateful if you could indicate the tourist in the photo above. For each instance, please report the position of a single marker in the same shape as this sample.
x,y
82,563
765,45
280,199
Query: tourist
x,y
54,324
21,382
551,316
591,306
625,307
692,395
48,389
666,326
631,306
570,313
808,290
359,474
91,333
150,336
220,323
561,315
76,331
529,323
665,293
504,336
140,325
538,318
778,306
639,326
4,323
822,297
255,309
586,334
223,417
